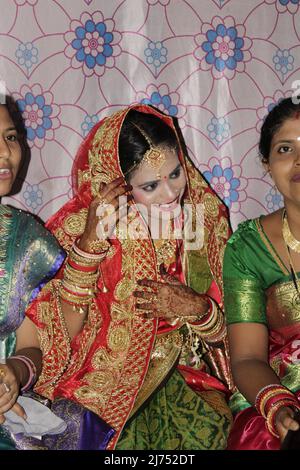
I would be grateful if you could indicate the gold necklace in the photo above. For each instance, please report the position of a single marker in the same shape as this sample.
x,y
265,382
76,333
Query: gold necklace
x,y
288,237
288,246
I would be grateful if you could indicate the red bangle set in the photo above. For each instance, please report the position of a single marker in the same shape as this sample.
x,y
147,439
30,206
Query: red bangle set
x,y
270,399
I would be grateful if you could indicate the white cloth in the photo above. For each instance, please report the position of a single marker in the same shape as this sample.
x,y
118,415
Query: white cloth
x,y
40,420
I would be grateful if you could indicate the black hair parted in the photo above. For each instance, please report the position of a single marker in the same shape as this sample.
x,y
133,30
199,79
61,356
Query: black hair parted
x,y
132,143
19,123
285,109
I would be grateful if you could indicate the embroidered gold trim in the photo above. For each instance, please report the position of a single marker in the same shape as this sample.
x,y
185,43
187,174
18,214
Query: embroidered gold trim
x,y
74,224
269,247
164,356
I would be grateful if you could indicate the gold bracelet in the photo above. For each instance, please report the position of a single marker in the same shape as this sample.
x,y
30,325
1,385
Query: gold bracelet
x,y
71,298
84,261
274,409
75,288
82,277
215,329
269,394
94,256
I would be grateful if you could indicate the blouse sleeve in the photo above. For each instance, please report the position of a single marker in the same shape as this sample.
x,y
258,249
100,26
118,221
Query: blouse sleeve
x,y
244,296
43,259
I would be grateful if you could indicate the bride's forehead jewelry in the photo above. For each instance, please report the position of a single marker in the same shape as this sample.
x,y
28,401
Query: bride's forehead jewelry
x,y
154,157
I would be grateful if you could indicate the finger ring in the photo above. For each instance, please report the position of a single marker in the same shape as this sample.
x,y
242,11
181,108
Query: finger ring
x,y
99,246
6,387
2,373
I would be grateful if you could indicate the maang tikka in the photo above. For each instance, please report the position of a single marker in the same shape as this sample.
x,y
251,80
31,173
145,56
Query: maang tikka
x,y
154,156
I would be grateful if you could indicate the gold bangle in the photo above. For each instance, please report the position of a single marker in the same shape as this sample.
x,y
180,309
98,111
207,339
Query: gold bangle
x,y
74,299
86,255
268,395
215,329
84,261
273,410
75,288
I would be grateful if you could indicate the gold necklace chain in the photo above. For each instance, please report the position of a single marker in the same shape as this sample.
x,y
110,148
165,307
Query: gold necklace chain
x,y
288,237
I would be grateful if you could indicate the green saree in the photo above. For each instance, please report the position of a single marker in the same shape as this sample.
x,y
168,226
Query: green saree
x,y
259,288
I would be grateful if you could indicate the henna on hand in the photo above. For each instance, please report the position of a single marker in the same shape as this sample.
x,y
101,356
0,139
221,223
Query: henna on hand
x,y
170,300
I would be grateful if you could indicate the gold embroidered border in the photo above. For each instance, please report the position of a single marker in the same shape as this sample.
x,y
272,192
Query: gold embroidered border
x,y
270,248
54,341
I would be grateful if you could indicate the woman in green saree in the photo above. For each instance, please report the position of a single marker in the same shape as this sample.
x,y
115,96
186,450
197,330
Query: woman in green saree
x,y
262,297
29,256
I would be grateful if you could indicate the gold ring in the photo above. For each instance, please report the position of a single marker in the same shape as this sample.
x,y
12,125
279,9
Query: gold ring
x,y
2,373
99,246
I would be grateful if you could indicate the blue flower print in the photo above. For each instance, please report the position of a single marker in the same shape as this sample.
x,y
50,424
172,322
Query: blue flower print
x,y
164,103
285,2
283,61
88,123
163,98
36,114
156,54
223,47
218,129
224,183
92,43
40,114
285,6
274,200
33,196
27,55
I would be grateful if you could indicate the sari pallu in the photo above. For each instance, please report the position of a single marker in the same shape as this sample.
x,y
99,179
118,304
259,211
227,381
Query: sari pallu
x,y
271,299
29,257
105,367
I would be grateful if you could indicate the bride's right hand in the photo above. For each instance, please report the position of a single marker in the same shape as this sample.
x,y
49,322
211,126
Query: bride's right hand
x,y
104,212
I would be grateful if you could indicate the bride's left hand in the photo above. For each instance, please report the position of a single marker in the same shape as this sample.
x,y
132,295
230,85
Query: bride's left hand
x,y
170,300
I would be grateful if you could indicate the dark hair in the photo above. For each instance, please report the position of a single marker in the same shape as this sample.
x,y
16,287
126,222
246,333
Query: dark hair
x,y
17,119
285,109
133,144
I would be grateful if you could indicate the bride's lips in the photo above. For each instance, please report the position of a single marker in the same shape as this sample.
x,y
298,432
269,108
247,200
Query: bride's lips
x,y
170,206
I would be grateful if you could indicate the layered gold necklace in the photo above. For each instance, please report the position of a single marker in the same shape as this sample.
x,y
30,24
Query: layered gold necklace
x,y
291,244
288,237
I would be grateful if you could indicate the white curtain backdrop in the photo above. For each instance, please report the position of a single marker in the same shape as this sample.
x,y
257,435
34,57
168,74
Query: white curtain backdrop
x,y
217,65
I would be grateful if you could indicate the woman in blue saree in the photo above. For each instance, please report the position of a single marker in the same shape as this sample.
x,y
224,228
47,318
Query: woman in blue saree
x,y
29,256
